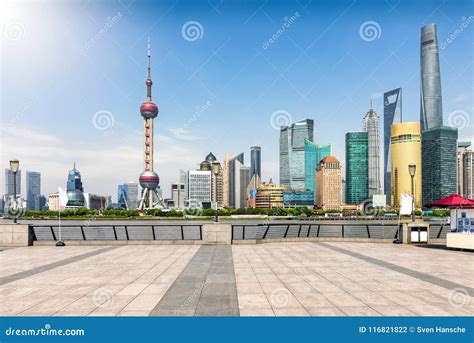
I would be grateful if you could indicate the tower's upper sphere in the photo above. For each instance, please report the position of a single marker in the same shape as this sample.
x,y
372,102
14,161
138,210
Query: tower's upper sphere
x,y
149,179
149,109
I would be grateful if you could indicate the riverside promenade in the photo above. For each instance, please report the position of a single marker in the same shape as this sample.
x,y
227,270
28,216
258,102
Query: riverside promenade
x,y
319,277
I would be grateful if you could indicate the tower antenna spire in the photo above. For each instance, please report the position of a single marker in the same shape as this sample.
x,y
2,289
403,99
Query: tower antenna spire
x,y
149,83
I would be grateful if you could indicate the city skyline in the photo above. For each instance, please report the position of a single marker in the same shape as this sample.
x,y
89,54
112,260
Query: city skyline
x,y
189,124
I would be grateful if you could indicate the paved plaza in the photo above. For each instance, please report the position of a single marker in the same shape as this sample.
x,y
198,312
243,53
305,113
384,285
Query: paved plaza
x,y
275,279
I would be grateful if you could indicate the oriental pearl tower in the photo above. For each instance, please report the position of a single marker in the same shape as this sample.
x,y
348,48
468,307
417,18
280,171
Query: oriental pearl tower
x,y
149,180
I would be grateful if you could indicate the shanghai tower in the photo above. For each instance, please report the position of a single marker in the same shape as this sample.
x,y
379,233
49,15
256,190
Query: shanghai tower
x,y
431,110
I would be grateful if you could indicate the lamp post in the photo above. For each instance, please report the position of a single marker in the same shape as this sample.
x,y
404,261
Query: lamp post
x,y
215,170
14,166
412,171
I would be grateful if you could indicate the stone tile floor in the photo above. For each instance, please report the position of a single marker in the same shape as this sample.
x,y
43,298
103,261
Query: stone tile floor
x,y
279,279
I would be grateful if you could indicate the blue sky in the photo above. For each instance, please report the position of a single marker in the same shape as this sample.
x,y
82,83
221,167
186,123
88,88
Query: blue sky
x,y
73,78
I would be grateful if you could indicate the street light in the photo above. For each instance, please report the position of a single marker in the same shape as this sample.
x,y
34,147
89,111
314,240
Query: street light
x,y
215,170
14,167
412,171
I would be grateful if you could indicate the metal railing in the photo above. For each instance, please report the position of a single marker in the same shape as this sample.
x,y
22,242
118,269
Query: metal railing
x,y
118,232
326,230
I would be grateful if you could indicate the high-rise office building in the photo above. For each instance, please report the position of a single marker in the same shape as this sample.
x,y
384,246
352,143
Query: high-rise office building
x,y
225,180
431,108
269,195
9,182
256,161
406,150
132,195
75,190
239,178
313,154
199,187
328,179
122,196
178,195
74,180
438,162
292,142
210,163
33,190
392,114
357,167
371,125
465,169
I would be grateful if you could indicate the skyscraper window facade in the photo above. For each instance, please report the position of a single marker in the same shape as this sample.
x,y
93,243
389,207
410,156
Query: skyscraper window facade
x,y
392,114
313,154
465,167
33,190
405,150
431,108
371,125
256,161
439,163
357,167
292,154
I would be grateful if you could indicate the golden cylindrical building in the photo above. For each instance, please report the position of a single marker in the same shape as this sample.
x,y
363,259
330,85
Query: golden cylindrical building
x,y
405,146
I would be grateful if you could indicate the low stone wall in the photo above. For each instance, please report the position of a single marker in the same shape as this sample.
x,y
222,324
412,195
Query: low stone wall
x,y
217,233
119,242
15,235
311,239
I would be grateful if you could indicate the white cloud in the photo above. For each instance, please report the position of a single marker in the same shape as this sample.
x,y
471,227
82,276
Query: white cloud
x,y
184,135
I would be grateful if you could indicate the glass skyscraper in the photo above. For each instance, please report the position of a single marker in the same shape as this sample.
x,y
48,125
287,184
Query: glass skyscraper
x,y
122,196
9,182
256,161
313,154
439,162
431,109
357,167
292,155
74,180
33,190
392,114
371,125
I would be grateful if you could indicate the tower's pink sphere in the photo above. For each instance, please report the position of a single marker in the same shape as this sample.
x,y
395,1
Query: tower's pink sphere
x,y
149,109
149,179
